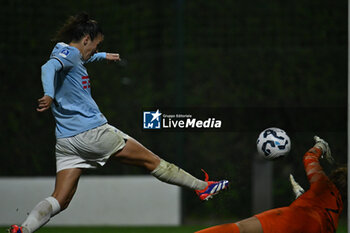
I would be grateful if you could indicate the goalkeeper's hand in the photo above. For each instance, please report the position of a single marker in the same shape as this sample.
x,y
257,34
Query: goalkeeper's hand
x,y
297,189
326,151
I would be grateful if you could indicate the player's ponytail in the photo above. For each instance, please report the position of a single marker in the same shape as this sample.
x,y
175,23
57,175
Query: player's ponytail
x,y
76,27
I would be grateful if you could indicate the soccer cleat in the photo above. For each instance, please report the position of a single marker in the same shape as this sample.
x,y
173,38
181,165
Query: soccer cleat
x,y
15,229
213,188
297,189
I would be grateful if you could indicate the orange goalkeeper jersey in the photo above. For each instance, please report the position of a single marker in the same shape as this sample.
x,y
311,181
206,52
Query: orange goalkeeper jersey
x,y
316,211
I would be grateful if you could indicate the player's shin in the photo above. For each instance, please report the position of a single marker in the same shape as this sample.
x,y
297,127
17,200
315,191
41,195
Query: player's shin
x,y
41,214
172,174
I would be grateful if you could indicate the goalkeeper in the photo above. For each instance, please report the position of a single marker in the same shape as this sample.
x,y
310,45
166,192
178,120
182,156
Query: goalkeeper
x,y
315,211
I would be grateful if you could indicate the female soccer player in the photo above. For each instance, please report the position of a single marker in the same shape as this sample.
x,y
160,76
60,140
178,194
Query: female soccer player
x,y
315,211
84,138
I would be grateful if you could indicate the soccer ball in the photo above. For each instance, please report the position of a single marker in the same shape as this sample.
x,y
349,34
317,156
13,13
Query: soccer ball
x,y
273,143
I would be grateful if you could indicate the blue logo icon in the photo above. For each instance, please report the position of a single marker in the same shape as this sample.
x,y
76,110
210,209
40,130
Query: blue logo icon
x,y
152,119
64,53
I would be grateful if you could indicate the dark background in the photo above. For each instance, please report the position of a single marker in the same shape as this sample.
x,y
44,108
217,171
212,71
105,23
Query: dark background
x,y
284,56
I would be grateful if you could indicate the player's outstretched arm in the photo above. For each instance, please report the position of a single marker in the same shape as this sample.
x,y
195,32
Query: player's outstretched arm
x,y
311,158
112,57
100,56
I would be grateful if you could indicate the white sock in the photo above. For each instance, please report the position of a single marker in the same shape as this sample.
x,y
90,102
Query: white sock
x,y
41,214
172,174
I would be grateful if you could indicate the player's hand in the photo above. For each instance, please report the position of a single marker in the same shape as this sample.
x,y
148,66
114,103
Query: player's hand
x,y
297,189
326,151
44,103
112,57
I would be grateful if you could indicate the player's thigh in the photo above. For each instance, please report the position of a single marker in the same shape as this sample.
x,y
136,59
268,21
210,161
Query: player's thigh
x,y
134,153
250,225
66,185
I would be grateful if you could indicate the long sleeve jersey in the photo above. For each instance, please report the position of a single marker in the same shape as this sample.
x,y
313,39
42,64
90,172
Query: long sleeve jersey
x,y
316,211
65,79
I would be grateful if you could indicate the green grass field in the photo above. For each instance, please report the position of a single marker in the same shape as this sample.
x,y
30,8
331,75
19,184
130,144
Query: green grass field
x,y
183,229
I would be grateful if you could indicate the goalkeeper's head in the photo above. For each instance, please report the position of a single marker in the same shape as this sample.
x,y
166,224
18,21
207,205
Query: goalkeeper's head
x,y
339,177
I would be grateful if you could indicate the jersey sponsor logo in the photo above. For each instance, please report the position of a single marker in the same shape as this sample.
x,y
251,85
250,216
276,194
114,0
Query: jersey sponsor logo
x,y
64,53
85,81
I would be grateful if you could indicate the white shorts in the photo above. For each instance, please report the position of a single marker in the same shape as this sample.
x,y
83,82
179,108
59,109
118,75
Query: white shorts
x,y
89,149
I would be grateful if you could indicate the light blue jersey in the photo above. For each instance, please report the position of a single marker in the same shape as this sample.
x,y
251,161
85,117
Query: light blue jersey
x,y
65,79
